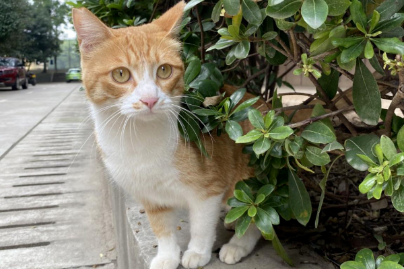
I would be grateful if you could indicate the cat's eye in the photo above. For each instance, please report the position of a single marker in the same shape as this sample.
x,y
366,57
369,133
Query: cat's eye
x,y
121,74
164,71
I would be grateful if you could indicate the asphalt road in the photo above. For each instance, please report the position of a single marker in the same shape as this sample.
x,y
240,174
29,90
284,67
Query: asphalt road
x,y
22,110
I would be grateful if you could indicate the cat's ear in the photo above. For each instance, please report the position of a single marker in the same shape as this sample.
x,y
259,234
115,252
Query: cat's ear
x,y
171,20
90,30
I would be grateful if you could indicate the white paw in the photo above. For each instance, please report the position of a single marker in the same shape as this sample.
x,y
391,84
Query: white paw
x,y
192,259
164,263
232,253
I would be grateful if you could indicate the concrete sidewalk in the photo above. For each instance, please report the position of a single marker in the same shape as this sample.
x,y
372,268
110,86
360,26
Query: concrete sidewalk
x,y
54,201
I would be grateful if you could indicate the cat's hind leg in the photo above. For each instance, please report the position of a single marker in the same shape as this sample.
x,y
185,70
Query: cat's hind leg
x,y
238,248
204,215
162,222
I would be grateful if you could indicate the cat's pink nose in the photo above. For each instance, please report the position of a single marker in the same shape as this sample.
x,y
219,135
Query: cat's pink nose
x,y
150,101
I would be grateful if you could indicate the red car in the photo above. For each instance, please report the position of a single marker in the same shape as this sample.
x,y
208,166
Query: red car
x,y
13,73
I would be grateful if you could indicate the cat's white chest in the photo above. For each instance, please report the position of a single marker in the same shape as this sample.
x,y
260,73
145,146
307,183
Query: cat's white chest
x,y
140,158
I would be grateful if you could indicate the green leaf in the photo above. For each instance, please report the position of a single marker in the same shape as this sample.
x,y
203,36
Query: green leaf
x,y
388,8
261,145
207,112
284,25
360,145
259,199
280,132
208,88
277,245
264,224
369,52
365,256
388,148
368,183
251,12
266,190
252,211
346,42
389,45
242,49
367,160
390,24
221,44
318,132
256,119
352,265
216,11
337,7
246,104
268,119
233,129
284,9
232,7
400,139
376,65
242,225
314,12
374,21
269,35
242,186
272,214
236,97
233,202
316,157
193,70
379,153
332,146
366,95
397,159
353,52
330,83
235,213
389,265
299,199
398,199
358,13
191,4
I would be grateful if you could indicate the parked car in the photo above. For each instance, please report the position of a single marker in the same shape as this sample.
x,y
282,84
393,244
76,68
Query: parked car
x,y
73,74
13,73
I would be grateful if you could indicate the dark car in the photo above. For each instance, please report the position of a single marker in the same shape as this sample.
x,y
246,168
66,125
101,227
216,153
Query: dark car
x,y
13,73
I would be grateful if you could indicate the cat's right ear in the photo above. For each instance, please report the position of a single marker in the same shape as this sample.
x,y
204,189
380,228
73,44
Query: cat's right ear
x,y
90,30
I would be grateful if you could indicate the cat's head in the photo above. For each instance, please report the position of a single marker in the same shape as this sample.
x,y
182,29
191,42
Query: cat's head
x,y
137,70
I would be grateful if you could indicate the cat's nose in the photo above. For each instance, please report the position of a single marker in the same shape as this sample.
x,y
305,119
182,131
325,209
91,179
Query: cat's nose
x,y
149,101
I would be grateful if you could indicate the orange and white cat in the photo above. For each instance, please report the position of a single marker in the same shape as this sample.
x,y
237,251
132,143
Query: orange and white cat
x,y
134,80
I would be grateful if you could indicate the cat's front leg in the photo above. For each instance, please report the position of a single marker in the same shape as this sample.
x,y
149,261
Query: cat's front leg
x,y
204,214
162,222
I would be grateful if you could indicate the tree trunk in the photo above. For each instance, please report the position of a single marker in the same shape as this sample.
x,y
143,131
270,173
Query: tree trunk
x,y
44,67
56,63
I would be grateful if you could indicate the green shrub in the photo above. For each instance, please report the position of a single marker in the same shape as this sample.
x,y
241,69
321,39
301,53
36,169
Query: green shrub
x,y
324,39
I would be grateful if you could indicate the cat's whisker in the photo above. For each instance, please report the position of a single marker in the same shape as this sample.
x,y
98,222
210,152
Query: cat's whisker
x,y
196,117
85,142
123,137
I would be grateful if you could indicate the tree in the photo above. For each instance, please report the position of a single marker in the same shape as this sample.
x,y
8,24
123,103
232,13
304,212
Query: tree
x,y
243,42
31,30
13,19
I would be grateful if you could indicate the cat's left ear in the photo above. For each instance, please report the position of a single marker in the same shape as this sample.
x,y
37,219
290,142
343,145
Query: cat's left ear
x,y
90,30
170,20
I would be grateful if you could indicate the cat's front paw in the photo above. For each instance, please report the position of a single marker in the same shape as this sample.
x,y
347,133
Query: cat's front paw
x,y
164,263
232,253
191,259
